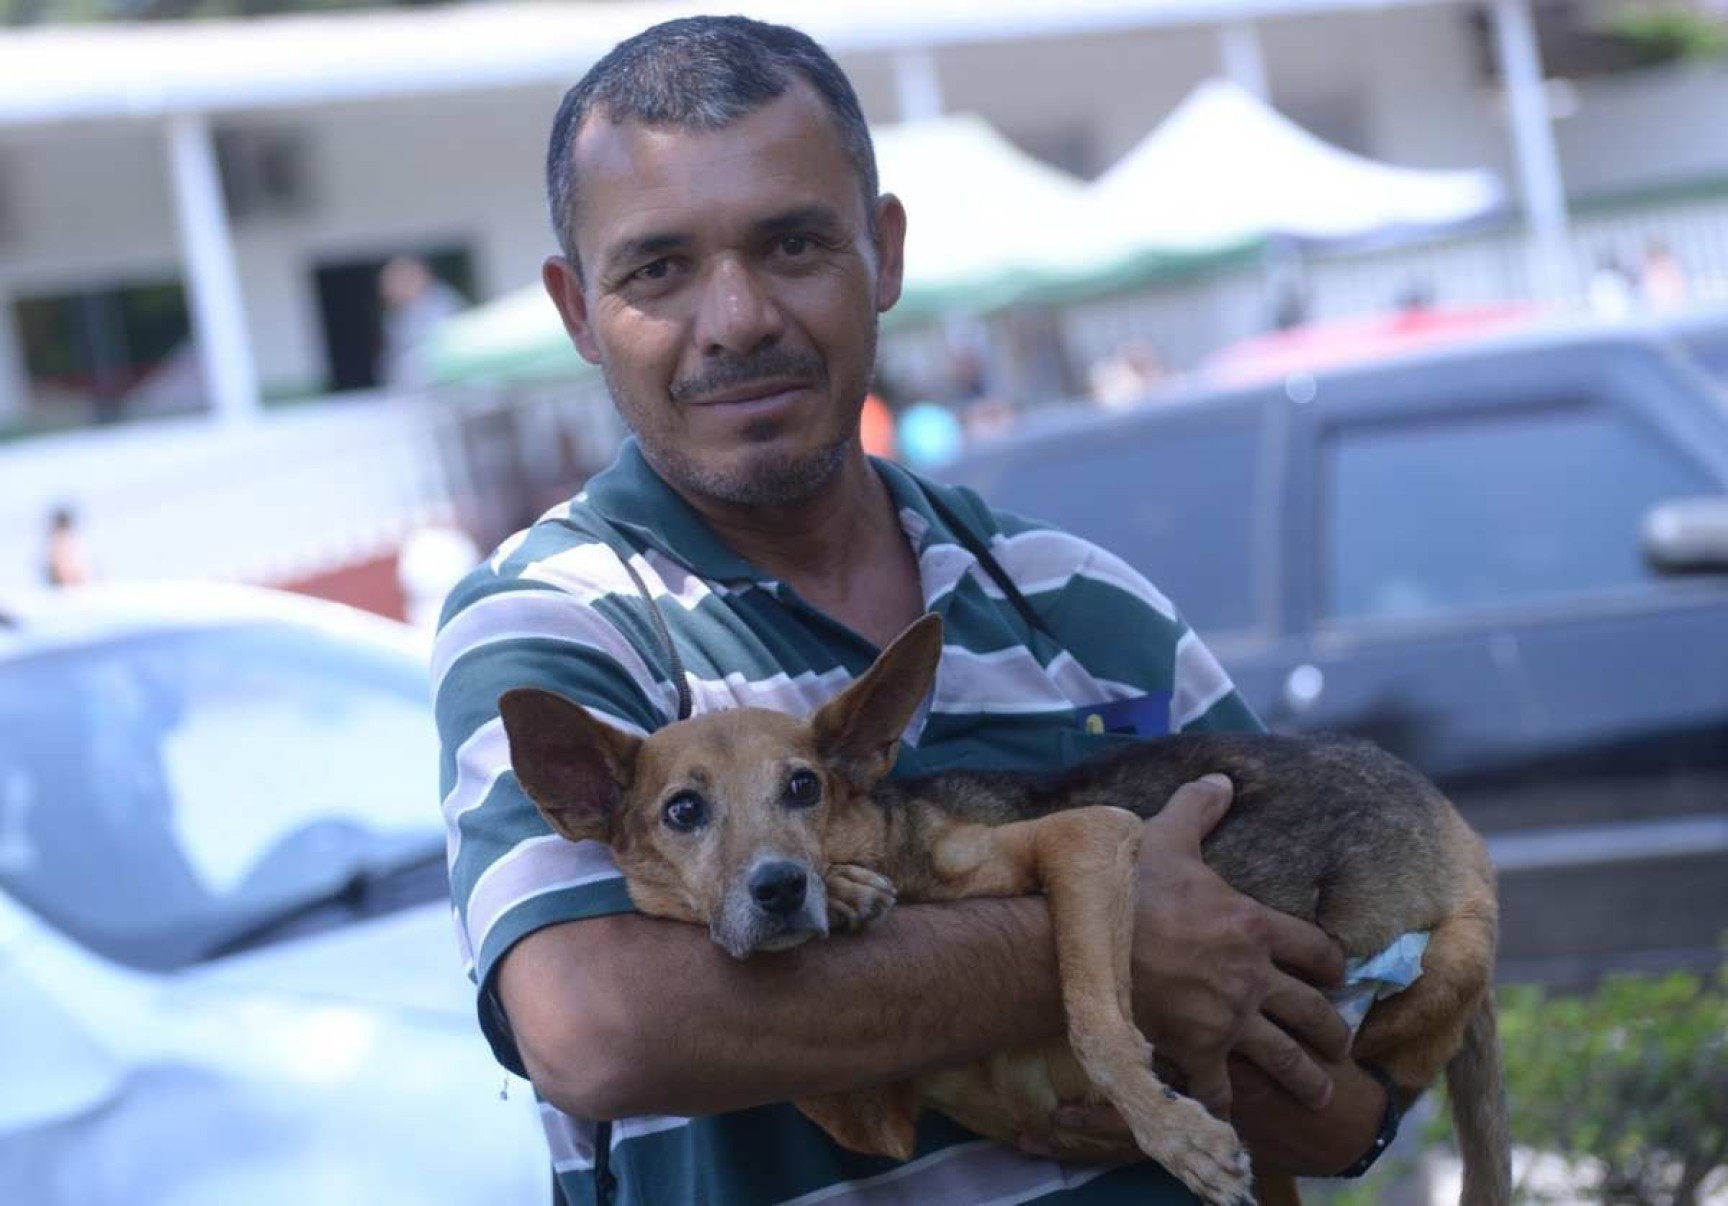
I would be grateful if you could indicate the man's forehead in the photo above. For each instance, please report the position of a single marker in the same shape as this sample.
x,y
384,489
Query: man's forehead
x,y
789,143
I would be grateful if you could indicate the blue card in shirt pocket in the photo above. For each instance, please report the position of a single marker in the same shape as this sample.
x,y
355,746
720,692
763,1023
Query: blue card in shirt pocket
x,y
1142,716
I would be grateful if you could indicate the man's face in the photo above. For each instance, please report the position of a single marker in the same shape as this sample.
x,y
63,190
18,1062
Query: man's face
x,y
730,287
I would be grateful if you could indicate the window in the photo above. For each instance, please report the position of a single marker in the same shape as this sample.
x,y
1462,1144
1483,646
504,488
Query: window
x,y
110,352
1174,497
1489,508
164,789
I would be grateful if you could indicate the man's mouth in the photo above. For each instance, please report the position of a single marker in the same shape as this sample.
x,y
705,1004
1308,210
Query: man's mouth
x,y
756,391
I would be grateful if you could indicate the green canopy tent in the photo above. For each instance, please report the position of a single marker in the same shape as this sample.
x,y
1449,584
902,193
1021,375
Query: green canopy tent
x,y
516,339
988,226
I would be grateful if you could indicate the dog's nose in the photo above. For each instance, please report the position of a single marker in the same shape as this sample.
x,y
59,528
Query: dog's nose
x,y
778,888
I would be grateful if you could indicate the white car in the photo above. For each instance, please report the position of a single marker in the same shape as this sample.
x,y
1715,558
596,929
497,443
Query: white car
x,y
228,972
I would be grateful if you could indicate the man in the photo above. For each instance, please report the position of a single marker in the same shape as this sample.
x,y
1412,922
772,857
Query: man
x,y
66,562
725,258
415,304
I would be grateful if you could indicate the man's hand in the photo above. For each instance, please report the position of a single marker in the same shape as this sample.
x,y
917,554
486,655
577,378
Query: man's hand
x,y
1285,1137
1210,964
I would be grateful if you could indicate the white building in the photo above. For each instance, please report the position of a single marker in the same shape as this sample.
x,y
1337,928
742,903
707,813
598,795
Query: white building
x,y
243,181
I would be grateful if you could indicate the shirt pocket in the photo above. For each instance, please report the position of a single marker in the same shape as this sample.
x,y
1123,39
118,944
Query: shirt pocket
x,y
1077,745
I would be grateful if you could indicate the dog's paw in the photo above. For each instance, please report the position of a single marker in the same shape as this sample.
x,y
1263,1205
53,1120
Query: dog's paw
x,y
1203,1153
856,896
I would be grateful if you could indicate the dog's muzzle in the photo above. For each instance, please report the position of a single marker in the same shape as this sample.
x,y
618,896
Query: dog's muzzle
x,y
778,904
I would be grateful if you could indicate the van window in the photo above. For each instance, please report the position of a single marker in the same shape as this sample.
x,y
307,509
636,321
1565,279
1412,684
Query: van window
x,y
1173,495
1489,508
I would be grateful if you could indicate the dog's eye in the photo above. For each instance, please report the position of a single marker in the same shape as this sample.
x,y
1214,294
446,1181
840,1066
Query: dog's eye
x,y
803,789
685,811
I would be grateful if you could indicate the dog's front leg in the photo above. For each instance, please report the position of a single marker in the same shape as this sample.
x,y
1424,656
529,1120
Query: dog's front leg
x,y
1083,860
856,896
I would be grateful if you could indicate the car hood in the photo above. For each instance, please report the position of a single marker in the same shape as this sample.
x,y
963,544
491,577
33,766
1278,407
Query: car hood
x,y
343,1067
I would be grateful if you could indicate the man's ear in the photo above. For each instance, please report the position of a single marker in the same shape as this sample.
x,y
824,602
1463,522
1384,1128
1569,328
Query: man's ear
x,y
575,769
564,286
890,251
858,731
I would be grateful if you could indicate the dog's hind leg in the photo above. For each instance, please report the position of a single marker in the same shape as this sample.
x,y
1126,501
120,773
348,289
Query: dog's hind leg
x,y
1083,860
1413,1034
1446,1020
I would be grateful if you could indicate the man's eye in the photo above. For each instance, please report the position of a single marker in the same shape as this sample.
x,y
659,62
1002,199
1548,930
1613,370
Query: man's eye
x,y
794,244
655,271
803,789
685,811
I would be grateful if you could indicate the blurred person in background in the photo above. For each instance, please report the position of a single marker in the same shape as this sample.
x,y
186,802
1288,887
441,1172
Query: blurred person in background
x,y
66,560
929,434
876,427
725,257
432,560
1661,279
1127,375
415,303
988,418
1610,293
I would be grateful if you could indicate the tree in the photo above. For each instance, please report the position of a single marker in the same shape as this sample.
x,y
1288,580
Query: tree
x,y
49,12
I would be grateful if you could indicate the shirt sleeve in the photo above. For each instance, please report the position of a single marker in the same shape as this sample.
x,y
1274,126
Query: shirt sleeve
x,y
510,874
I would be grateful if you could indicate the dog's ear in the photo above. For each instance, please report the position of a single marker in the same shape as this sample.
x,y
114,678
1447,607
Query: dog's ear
x,y
574,768
858,731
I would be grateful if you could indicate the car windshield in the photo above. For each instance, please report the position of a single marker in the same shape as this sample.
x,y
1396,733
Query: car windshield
x,y
162,793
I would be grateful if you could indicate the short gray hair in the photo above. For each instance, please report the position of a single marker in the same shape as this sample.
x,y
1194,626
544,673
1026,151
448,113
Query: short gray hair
x,y
700,73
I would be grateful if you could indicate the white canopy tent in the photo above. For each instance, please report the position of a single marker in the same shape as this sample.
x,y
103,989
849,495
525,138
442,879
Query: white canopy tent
x,y
1226,167
987,225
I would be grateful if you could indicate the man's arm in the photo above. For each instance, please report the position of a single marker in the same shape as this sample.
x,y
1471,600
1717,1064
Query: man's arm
x,y
627,1015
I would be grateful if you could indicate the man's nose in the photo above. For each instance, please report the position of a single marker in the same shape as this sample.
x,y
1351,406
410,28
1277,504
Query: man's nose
x,y
738,316
778,887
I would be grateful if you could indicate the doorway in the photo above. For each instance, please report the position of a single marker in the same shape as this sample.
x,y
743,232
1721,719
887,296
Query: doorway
x,y
352,315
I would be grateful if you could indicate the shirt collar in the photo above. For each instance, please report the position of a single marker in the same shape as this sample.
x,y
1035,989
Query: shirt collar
x,y
923,526
631,496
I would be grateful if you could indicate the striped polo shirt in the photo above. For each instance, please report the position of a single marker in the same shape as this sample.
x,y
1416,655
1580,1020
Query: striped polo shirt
x,y
556,608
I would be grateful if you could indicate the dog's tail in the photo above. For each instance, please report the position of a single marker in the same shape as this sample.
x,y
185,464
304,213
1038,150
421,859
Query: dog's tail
x,y
1476,1088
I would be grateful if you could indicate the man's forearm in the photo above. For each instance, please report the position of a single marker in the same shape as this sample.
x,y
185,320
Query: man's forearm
x,y
629,1015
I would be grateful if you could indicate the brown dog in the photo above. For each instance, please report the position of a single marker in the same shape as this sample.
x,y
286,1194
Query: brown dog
x,y
769,829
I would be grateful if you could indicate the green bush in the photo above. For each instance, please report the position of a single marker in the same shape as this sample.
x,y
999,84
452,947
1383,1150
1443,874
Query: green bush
x,y
1629,1082
1661,33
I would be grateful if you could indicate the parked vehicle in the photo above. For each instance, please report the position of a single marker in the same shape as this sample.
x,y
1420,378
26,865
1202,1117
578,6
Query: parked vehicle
x,y
1703,333
227,968
1458,556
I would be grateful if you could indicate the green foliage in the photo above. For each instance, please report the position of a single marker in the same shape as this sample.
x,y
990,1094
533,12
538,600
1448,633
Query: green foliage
x,y
50,12
1634,1075
1630,1081
1663,32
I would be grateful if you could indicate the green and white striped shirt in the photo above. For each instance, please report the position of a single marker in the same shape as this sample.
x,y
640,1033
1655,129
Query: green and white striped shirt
x,y
556,608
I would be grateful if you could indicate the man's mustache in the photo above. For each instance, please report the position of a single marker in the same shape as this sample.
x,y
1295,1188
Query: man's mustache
x,y
770,364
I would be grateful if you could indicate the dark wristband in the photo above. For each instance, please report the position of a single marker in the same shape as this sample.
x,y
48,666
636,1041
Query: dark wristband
x,y
1388,1124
